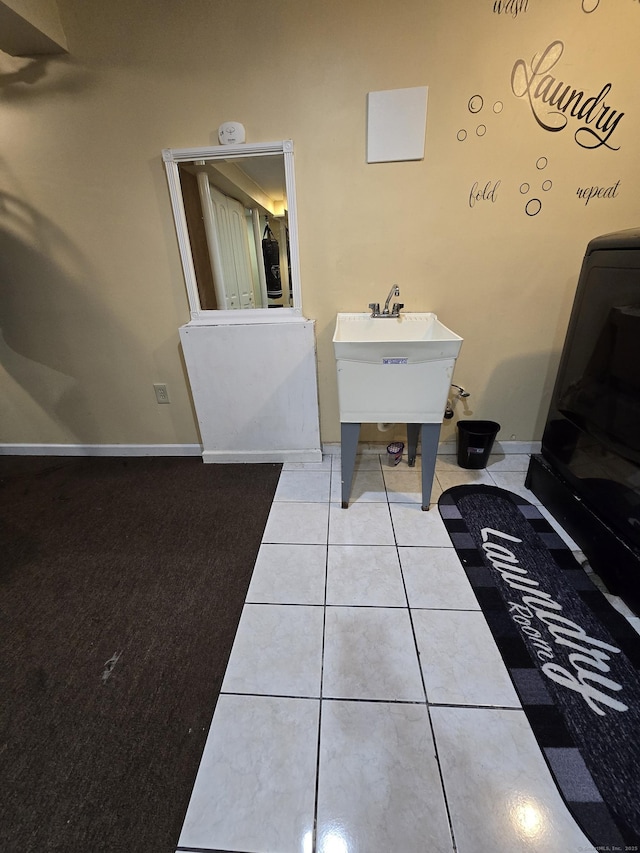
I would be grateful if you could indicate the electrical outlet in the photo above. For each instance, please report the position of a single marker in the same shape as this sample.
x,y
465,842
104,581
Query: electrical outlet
x,y
162,392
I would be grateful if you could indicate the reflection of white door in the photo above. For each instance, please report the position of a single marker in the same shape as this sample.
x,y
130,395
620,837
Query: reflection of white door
x,y
233,244
228,243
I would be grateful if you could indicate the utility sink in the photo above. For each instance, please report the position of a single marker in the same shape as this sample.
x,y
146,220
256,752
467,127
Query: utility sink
x,y
361,337
394,369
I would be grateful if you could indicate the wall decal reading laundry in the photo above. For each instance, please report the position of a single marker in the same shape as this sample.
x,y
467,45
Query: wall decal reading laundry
x,y
510,7
552,101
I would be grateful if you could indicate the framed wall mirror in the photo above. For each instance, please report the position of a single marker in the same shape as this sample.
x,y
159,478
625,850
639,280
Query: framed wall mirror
x,y
234,208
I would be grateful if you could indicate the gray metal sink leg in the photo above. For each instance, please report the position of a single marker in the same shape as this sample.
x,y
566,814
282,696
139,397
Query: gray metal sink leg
x,y
349,435
429,437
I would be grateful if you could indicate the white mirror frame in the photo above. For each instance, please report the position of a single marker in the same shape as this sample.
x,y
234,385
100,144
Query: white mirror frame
x,y
172,157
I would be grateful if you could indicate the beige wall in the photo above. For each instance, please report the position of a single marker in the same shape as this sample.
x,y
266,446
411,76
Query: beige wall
x,y
91,292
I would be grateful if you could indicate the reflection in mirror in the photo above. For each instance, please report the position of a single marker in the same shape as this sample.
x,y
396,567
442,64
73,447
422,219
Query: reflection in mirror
x,y
235,224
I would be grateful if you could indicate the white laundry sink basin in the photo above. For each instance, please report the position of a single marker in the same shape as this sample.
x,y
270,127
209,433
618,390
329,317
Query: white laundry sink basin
x,y
394,369
420,336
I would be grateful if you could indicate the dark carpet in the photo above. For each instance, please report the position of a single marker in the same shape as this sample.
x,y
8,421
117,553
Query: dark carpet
x,y
121,587
573,659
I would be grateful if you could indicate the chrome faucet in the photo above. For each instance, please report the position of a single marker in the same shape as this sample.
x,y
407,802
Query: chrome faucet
x,y
395,311
395,291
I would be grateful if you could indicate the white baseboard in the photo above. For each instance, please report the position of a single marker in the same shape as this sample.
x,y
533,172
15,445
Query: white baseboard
x,y
330,448
100,449
213,456
444,448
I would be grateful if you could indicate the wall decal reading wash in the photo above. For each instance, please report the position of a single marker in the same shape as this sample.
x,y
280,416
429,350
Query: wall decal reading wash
x,y
510,7
551,100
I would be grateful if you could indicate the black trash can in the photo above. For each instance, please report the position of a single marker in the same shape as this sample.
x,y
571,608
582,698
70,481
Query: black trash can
x,y
475,440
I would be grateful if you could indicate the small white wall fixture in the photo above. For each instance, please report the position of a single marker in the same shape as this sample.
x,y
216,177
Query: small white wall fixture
x,y
396,124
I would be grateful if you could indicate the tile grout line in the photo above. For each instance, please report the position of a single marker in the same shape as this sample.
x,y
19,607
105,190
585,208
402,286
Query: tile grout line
x,y
424,688
367,700
314,842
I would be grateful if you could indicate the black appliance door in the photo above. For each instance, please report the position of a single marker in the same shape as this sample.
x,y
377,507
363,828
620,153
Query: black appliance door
x,y
592,435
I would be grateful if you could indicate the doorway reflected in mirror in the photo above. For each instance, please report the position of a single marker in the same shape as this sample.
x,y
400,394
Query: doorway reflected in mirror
x,y
236,227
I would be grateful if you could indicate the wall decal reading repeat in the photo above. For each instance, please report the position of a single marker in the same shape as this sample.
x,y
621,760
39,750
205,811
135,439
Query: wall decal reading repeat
x,y
589,193
551,100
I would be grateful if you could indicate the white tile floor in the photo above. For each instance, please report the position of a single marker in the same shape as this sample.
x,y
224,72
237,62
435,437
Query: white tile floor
x,y
365,707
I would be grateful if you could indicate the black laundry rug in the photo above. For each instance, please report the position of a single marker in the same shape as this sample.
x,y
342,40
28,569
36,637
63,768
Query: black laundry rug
x,y
573,659
122,582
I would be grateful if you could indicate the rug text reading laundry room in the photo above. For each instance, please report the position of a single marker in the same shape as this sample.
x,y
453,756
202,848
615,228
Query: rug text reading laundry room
x,y
587,655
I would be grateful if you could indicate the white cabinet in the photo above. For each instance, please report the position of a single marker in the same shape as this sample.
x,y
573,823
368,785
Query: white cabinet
x,y
254,388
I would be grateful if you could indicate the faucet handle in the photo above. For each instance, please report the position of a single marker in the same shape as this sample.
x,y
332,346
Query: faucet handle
x,y
375,308
397,307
